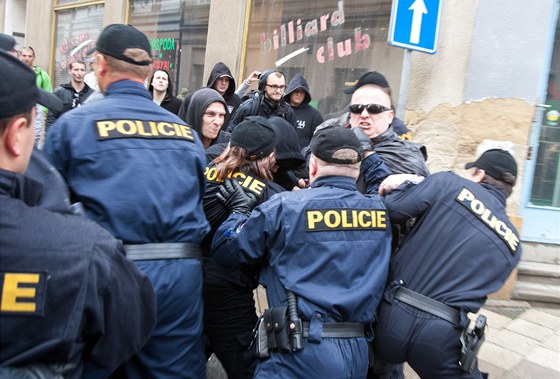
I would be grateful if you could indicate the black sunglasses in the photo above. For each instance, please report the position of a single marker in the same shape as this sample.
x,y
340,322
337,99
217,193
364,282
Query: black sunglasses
x,y
371,108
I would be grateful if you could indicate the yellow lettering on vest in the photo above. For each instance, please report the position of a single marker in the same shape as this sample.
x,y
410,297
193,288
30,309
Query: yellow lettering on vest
x,y
12,293
140,127
153,128
344,218
362,221
187,132
485,217
257,186
313,217
501,228
103,128
465,195
381,219
354,218
477,206
332,219
126,127
163,127
513,241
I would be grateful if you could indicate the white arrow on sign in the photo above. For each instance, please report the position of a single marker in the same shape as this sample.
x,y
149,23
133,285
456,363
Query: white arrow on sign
x,y
419,9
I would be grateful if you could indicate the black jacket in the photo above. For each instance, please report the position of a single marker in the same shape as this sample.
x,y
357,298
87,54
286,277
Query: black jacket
x,y
232,100
169,102
70,99
307,117
257,105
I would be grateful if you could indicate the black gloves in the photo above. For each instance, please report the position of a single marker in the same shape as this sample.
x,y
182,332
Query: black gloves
x,y
367,145
236,199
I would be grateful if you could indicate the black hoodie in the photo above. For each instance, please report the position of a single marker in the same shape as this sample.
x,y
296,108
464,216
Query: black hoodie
x,y
232,100
257,105
200,100
307,117
169,102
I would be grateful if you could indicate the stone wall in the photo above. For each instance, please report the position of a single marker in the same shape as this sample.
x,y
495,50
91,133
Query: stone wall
x,y
455,135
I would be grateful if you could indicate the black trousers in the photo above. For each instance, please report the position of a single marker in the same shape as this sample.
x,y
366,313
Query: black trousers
x,y
229,319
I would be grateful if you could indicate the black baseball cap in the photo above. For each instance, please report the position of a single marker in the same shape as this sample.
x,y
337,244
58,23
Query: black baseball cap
x,y
256,135
372,77
326,142
18,88
7,42
116,38
495,162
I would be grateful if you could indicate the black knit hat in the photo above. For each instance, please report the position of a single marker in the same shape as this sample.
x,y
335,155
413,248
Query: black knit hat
x,y
116,38
255,135
18,89
495,162
326,142
372,77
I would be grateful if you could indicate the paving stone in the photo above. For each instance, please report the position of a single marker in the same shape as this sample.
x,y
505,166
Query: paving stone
x,y
495,321
547,358
552,343
529,329
512,341
542,318
525,370
499,356
409,373
491,369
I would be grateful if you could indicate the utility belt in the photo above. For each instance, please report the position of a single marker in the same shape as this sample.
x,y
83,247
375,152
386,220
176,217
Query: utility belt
x,y
471,339
279,329
156,251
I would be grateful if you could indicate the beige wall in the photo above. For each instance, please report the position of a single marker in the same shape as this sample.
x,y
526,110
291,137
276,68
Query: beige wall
x,y
2,15
225,36
38,33
115,12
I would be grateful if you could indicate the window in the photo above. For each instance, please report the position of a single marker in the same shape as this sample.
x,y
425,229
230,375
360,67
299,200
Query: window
x,y
330,42
77,30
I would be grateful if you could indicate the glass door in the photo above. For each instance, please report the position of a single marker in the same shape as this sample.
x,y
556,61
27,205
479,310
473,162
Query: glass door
x,y
541,212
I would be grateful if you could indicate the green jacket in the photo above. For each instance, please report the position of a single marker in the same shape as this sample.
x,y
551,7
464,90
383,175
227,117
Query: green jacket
x,y
43,81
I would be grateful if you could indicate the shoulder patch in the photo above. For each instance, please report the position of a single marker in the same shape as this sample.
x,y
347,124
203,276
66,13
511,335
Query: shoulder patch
x,y
480,211
112,129
23,293
321,220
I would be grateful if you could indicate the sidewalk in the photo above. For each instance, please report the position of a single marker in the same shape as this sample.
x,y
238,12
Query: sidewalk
x,y
522,341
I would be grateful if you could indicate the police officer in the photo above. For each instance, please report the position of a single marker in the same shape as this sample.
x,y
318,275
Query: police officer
x,y
325,253
139,172
463,249
72,305
229,306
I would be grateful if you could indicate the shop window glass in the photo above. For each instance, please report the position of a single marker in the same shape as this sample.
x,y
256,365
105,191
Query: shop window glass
x,y
546,182
177,30
77,30
330,42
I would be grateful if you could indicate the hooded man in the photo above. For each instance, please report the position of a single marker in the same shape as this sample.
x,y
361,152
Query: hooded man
x,y
222,81
307,118
268,101
206,114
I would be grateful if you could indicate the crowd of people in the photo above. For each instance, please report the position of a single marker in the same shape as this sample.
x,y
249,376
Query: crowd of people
x,y
132,243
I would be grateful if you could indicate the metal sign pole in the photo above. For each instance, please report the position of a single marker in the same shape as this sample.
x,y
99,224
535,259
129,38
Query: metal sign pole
x,y
403,92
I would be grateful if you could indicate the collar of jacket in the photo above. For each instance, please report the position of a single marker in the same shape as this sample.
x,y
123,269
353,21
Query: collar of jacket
x,y
343,182
20,187
127,87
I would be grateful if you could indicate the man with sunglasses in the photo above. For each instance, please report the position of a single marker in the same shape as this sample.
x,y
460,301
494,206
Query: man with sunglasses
x,y
268,101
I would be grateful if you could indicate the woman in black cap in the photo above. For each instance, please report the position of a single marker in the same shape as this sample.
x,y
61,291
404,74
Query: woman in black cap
x,y
229,307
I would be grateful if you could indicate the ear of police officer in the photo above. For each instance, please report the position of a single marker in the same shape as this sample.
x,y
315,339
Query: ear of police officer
x,y
236,199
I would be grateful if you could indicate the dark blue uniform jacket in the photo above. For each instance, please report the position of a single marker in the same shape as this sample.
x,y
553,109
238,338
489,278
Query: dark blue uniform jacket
x,y
463,246
69,295
336,268
111,161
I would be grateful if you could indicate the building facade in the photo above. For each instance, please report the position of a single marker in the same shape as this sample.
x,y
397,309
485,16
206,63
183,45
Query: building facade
x,y
493,81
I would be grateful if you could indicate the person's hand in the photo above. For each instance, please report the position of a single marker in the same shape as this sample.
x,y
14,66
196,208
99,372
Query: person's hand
x,y
255,75
367,145
394,181
235,198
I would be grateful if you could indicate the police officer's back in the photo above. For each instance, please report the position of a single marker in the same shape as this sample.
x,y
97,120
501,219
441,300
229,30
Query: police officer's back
x,y
325,252
138,170
71,303
462,249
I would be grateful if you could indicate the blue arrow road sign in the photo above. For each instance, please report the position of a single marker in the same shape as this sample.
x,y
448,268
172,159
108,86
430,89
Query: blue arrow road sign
x,y
415,24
